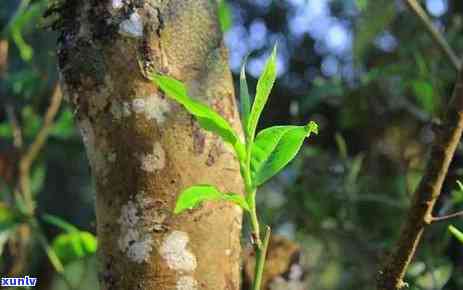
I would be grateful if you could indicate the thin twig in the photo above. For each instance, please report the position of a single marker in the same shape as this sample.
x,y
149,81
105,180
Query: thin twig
x,y
34,149
434,33
447,217
420,214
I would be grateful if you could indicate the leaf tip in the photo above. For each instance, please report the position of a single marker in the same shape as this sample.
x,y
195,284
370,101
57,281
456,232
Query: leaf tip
x,y
311,127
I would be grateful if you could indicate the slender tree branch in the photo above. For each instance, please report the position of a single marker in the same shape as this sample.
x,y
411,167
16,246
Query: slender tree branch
x,y
434,33
447,217
3,57
33,150
420,214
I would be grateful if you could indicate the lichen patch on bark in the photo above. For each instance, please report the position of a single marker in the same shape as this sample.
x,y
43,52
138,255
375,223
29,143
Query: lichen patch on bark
x,y
132,27
187,283
153,107
135,236
120,110
154,160
176,254
117,4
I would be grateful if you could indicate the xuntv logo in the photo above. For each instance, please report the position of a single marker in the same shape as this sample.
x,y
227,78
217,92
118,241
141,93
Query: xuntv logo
x,y
19,282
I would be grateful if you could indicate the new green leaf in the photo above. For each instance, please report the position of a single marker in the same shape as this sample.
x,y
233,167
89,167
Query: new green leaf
x,y
193,196
275,147
207,118
225,15
264,86
457,233
74,245
245,100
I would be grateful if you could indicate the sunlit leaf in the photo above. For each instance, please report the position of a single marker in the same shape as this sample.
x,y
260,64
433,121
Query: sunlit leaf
x,y
245,99
264,86
64,125
74,245
435,278
193,196
424,93
225,15
456,232
207,118
275,147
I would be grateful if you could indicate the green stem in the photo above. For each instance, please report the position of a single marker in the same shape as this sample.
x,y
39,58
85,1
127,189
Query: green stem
x,y
254,219
261,254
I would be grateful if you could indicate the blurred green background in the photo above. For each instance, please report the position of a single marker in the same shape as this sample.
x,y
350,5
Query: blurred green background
x,y
365,70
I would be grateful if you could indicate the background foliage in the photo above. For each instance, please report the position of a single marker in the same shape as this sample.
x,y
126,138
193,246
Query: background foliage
x,y
365,70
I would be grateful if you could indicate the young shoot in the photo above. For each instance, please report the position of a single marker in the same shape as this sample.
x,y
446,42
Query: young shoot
x,y
260,156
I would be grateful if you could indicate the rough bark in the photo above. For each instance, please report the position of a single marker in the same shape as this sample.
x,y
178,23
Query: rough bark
x,y
143,148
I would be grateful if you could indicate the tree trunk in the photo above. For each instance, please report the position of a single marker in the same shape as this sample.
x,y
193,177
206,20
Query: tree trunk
x,y
144,149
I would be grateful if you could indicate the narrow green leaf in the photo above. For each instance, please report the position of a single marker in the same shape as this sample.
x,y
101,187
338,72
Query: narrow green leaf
x,y
207,118
264,86
59,222
275,147
225,15
460,185
193,196
457,233
245,100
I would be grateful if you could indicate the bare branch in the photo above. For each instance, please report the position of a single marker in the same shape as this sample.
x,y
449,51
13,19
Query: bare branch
x,y
447,217
34,149
434,33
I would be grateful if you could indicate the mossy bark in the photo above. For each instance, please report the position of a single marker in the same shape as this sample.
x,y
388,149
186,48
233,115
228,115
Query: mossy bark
x,y
143,148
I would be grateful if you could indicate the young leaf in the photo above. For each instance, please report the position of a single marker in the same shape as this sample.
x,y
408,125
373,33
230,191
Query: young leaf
x,y
264,86
245,100
458,234
193,196
207,118
275,147
225,15
74,245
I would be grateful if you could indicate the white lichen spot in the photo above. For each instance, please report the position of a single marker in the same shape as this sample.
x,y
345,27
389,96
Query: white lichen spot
x,y
95,155
117,4
120,110
132,27
228,252
174,251
155,160
134,241
87,133
138,105
140,250
153,107
187,283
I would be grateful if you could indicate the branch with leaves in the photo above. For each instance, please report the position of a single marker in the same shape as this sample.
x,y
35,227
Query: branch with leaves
x,y
260,156
420,215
